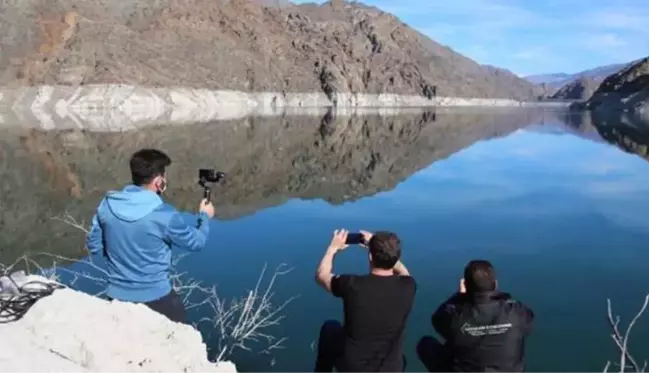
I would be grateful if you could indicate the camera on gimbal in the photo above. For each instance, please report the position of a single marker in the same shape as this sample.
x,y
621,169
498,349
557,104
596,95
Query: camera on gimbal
x,y
207,176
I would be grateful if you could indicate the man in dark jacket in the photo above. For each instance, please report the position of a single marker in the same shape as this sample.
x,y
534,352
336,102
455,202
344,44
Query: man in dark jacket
x,y
484,329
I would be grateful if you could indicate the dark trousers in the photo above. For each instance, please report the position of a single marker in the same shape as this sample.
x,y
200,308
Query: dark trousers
x,y
434,355
331,348
170,306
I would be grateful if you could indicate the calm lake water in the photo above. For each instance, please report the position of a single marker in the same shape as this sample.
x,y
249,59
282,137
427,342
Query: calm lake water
x,y
551,199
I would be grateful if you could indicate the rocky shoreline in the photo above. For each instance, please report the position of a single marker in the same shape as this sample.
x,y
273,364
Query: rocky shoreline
x,y
106,107
75,332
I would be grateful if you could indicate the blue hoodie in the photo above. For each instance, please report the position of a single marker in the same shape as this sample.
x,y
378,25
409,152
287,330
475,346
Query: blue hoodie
x,y
135,230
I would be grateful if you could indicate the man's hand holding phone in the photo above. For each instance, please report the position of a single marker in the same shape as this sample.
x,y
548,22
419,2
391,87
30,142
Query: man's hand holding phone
x,y
367,236
339,240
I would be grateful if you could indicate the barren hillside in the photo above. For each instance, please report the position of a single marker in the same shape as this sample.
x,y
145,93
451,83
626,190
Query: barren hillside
x,y
236,44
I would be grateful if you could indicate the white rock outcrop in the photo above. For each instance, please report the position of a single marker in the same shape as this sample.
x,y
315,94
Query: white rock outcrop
x,y
107,107
70,331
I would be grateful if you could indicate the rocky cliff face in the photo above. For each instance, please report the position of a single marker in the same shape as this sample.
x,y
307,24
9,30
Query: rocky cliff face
x,y
626,90
49,173
580,89
236,44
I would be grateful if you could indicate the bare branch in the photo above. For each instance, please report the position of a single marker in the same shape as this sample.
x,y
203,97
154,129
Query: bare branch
x,y
246,319
71,221
622,341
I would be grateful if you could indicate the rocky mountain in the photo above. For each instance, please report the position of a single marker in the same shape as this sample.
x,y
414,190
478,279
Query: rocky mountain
x,y
267,161
580,89
248,45
626,90
558,80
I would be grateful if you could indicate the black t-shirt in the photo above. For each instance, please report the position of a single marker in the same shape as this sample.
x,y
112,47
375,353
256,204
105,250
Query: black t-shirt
x,y
376,310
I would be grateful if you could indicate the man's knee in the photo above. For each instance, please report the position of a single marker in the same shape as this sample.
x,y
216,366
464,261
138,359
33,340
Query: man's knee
x,y
331,326
170,306
432,355
426,345
331,336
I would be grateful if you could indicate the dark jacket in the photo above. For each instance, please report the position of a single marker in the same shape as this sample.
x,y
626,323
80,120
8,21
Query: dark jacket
x,y
484,332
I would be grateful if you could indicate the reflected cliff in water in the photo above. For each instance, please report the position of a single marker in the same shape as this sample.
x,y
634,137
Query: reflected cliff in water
x,y
267,161
628,132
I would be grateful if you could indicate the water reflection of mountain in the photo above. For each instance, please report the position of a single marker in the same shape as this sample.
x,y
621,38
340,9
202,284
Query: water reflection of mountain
x,y
628,132
267,161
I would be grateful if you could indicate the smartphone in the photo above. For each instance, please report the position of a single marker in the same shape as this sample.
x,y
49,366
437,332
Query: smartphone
x,y
355,239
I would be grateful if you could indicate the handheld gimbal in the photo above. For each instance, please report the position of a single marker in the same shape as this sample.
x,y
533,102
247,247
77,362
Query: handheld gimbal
x,y
207,176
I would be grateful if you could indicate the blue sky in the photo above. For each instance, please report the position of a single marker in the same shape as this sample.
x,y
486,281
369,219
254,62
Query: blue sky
x,y
532,36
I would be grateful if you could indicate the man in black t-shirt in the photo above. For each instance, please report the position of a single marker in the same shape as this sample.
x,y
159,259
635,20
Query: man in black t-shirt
x,y
376,308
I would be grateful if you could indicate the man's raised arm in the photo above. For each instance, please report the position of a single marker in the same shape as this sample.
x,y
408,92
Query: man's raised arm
x,y
400,269
324,273
188,237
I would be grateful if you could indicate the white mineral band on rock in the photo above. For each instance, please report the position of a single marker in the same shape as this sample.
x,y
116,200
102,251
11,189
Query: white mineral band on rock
x,y
125,107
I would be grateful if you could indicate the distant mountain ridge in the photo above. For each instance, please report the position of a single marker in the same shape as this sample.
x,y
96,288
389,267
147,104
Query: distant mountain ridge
x,y
557,80
580,89
548,78
578,86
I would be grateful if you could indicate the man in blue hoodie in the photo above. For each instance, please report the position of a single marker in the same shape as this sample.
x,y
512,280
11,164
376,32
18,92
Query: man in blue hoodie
x,y
134,229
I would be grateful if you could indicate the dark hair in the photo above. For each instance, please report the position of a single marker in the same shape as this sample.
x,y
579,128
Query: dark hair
x,y
479,276
147,164
385,248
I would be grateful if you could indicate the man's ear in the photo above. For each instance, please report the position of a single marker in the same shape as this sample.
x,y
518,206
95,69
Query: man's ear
x,y
160,183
